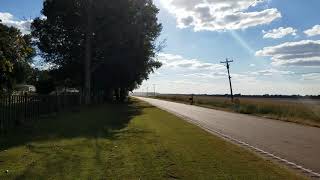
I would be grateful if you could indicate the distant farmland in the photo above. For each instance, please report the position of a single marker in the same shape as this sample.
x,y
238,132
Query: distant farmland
x,y
294,109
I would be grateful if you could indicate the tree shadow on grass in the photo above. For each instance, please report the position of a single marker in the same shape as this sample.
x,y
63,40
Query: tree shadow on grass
x,y
103,121
91,142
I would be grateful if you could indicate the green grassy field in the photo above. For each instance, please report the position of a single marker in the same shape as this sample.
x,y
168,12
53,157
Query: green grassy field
x,y
300,111
127,141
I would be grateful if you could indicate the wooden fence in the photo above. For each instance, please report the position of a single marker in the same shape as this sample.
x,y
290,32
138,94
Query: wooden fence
x,y
18,110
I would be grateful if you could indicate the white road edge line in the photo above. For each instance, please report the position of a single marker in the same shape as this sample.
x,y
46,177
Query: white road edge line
x,y
289,163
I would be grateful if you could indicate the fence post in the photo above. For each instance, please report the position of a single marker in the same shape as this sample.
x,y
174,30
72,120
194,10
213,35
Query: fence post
x,y
33,108
25,98
1,114
5,112
57,103
10,112
21,116
38,107
15,99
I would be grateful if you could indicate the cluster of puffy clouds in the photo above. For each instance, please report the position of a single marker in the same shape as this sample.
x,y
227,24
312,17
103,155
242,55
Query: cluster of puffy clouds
x,y
220,15
177,61
9,20
282,32
315,30
195,68
301,53
279,32
271,72
191,68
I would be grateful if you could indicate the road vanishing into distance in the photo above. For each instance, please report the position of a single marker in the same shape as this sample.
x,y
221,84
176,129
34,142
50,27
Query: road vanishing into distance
x,y
296,143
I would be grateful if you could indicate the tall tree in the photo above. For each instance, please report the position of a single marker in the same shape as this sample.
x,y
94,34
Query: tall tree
x,y
88,47
16,52
116,39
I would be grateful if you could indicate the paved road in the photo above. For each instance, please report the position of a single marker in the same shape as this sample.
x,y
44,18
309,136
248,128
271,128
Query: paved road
x,y
293,142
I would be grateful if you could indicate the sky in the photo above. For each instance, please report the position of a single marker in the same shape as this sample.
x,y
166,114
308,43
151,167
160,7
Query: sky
x,y
275,45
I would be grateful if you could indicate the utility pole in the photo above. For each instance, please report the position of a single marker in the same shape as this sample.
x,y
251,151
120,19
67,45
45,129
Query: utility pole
x,y
154,90
227,62
147,91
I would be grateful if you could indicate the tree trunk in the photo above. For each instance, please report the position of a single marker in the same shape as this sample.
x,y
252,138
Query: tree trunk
x,y
117,94
87,64
108,95
123,94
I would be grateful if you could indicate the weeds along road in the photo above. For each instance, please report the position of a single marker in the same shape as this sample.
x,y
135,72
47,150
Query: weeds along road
x,y
295,143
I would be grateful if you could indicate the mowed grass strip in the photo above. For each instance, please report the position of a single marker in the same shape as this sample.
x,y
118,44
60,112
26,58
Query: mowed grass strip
x,y
301,111
127,141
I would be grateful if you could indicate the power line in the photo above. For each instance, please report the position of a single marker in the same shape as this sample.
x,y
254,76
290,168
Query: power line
x,y
227,62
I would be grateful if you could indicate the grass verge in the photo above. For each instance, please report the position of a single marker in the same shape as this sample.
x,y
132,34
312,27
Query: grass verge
x,y
127,141
297,111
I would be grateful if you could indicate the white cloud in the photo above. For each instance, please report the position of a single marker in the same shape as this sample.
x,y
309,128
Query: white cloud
x,y
271,72
213,75
9,20
315,30
279,33
301,53
252,65
177,61
311,77
219,15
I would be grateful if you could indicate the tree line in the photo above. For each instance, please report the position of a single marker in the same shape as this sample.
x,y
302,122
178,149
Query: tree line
x,y
94,45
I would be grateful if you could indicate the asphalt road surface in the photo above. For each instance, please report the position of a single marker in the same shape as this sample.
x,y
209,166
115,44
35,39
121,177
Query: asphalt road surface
x,y
295,143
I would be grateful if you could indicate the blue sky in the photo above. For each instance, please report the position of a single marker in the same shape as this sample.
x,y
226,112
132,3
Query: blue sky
x,y
275,44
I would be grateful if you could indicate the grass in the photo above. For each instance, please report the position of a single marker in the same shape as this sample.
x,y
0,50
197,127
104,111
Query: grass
x,y
127,141
306,112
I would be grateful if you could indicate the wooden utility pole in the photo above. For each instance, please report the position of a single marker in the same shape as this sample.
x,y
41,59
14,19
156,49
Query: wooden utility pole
x,y
227,62
147,91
